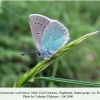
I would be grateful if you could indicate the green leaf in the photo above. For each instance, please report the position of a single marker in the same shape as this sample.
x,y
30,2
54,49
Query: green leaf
x,y
44,64
67,81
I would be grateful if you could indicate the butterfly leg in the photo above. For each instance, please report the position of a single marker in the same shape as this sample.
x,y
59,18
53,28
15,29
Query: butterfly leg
x,y
52,53
46,58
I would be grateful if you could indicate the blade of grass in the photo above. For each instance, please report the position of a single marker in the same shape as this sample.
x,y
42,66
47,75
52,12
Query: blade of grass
x,y
44,64
67,81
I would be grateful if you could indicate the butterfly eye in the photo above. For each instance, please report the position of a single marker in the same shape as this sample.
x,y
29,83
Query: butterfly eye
x,y
38,23
44,26
41,24
35,22
38,33
38,53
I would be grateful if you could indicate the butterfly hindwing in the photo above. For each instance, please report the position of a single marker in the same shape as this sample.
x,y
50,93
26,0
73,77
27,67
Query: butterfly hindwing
x,y
55,36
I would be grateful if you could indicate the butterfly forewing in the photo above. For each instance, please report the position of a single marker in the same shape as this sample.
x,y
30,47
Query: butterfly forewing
x,y
38,23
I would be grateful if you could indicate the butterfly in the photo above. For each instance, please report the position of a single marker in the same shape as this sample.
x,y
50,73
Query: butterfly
x,y
49,35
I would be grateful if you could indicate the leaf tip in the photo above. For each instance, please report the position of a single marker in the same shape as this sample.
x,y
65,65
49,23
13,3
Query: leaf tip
x,y
95,32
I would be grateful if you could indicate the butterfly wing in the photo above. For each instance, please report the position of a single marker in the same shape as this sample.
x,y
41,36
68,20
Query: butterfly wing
x,y
38,23
55,36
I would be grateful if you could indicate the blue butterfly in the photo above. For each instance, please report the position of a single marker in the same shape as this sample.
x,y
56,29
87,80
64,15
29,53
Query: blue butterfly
x,y
49,35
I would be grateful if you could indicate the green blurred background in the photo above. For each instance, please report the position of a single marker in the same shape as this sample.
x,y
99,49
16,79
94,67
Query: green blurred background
x,y
82,63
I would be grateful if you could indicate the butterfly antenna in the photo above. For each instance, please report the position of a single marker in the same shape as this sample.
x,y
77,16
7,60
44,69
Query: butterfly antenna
x,y
26,53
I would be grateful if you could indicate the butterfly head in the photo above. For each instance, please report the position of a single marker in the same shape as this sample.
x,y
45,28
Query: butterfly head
x,y
45,54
